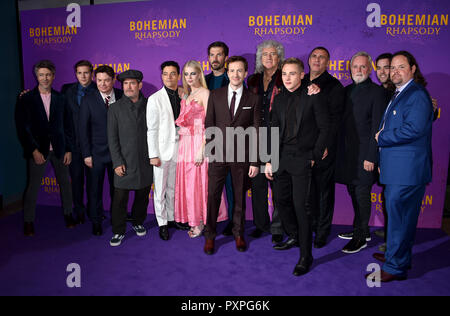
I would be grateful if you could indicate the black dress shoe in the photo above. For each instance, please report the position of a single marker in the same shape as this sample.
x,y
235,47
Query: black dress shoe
x,y
288,244
81,218
257,233
302,267
276,238
28,229
228,231
179,226
97,229
319,243
164,232
70,222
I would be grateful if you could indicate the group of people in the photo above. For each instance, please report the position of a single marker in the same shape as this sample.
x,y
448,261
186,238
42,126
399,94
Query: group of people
x,y
179,139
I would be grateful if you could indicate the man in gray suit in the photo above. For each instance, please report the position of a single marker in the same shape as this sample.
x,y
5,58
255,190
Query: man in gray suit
x,y
127,139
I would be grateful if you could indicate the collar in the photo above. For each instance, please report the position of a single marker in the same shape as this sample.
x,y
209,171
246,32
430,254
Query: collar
x,y
238,91
404,86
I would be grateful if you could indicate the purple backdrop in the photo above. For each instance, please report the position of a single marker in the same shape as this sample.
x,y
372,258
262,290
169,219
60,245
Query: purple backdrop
x,y
141,35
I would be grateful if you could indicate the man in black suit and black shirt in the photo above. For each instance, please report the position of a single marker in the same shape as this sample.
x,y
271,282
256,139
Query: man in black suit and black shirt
x,y
303,123
323,185
74,92
357,155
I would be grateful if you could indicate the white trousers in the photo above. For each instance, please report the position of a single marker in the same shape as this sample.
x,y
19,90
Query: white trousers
x,y
164,189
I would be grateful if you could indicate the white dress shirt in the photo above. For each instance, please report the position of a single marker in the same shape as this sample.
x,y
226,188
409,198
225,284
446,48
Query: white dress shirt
x,y
238,96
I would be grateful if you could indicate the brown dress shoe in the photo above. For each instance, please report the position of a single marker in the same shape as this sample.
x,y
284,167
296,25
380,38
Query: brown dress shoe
x,y
379,257
387,277
240,244
209,247
28,229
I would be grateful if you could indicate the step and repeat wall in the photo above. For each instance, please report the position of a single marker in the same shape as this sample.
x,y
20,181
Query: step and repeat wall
x,y
141,35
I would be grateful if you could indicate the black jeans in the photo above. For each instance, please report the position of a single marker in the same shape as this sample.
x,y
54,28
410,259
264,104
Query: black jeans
x,y
292,193
119,208
360,195
260,206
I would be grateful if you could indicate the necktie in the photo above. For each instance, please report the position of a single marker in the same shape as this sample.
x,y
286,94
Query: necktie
x,y
394,96
232,105
107,101
389,106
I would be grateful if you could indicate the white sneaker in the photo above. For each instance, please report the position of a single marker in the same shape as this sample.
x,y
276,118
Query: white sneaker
x,y
140,230
116,240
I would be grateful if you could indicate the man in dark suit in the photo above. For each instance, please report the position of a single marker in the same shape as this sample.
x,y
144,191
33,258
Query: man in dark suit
x,y
323,185
94,141
74,92
303,124
218,78
127,138
405,162
45,130
356,162
230,108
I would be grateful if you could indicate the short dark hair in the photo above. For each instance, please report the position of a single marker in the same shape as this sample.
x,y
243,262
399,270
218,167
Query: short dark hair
x,y
45,64
86,63
321,48
105,69
170,63
418,77
234,59
219,44
384,56
294,61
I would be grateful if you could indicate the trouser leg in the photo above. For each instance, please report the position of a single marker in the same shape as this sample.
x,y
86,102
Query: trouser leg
x,y
63,178
140,205
216,180
36,172
119,211
260,205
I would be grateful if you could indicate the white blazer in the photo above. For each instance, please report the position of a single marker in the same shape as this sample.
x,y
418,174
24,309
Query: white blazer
x,y
161,133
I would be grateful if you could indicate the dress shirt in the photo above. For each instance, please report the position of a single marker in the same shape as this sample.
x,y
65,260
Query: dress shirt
x,y
238,97
46,99
175,102
111,95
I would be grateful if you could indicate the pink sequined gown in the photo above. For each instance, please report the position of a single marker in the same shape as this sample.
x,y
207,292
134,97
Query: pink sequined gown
x,y
191,184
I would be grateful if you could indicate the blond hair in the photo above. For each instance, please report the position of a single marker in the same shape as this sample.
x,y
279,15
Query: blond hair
x,y
196,65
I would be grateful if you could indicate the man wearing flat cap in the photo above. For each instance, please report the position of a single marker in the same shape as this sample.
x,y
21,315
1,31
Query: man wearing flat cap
x,y
127,139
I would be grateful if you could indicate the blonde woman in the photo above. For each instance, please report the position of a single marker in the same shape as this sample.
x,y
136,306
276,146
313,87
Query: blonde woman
x,y
191,184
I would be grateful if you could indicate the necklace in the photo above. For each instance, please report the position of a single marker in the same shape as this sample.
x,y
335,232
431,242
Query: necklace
x,y
194,92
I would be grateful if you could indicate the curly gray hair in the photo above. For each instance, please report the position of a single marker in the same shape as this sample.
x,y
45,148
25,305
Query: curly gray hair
x,y
259,68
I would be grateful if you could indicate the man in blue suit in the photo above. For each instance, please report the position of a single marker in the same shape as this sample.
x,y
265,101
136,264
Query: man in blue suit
x,y
74,92
94,141
405,162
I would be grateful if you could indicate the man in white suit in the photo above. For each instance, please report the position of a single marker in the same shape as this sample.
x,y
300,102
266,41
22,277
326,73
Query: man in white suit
x,y
163,108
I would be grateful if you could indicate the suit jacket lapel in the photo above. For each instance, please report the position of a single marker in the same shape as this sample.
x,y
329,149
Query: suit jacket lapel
x,y
242,102
165,101
299,108
52,106
40,104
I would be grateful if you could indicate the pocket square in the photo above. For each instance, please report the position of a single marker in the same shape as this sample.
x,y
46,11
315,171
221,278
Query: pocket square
x,y
247,108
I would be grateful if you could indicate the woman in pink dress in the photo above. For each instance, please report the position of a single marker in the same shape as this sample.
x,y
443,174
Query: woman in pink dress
x,y
191,184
